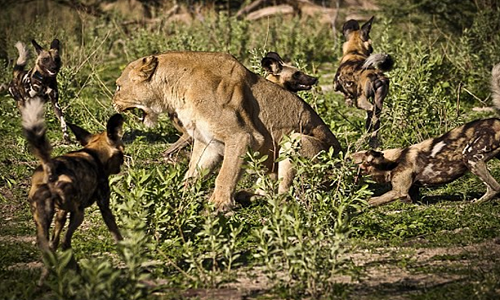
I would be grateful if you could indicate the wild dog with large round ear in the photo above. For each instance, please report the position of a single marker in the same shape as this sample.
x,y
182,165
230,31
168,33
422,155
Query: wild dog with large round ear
x,y
71,182
360,76
285,75
39,81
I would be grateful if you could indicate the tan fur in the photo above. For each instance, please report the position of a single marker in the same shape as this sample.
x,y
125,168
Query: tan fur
x,y
225,108
284,75
71,182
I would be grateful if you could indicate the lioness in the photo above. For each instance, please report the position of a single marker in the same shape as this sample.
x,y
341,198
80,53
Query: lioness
x,y
226,109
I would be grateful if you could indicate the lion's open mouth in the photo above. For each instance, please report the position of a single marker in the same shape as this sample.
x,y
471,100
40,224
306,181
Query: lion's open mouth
x,y
137,113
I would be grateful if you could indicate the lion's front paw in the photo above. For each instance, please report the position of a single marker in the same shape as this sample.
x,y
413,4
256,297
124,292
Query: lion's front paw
x,y
223,202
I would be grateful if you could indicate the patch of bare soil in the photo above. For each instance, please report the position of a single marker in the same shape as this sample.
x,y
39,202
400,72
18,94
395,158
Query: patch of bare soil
x,y
400,271
393,272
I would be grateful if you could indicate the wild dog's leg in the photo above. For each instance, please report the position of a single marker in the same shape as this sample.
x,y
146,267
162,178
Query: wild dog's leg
x,y
363,103
182,142
492,187
381,88
75,220
401,184
286,173
42,208
59,224
477,152
414,194
103,203
53,95
205,157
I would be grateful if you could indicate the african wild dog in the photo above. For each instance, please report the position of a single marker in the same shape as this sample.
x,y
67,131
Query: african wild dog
x,y
285,75
71,182
39,81
227,110
438,160
360,75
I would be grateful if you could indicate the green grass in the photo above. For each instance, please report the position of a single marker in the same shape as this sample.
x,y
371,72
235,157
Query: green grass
x,y
291,246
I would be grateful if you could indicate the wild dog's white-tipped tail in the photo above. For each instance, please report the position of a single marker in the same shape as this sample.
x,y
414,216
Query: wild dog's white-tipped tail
x,y
380,61
495,86
23,54
32,114
33,123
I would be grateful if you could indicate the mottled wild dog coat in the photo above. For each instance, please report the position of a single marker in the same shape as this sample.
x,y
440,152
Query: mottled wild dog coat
x,y
360,75
438,160
71,182
39,81
226,109
285,75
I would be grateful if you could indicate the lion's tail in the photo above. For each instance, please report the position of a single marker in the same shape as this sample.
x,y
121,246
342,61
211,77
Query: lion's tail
x,y
381,61
495,86
34,129
22,60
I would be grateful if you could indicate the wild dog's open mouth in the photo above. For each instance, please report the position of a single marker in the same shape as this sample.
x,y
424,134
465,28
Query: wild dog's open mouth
x,y
304,86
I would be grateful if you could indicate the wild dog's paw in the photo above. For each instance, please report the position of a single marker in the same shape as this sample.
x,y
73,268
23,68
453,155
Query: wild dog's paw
x,y
66,138
245,198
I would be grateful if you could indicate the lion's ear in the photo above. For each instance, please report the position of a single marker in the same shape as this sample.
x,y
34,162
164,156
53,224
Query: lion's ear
x,y
146,68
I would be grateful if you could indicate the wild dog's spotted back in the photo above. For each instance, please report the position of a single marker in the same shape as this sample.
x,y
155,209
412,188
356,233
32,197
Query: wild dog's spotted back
x,y
438,160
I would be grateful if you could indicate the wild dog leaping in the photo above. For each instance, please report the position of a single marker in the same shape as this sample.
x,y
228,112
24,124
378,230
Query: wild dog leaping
x,y
360,75
39,81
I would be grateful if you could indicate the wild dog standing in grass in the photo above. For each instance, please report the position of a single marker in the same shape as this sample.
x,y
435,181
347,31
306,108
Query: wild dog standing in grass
x,y
438,160
39,81
286,76
71,182
227,110
360,75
